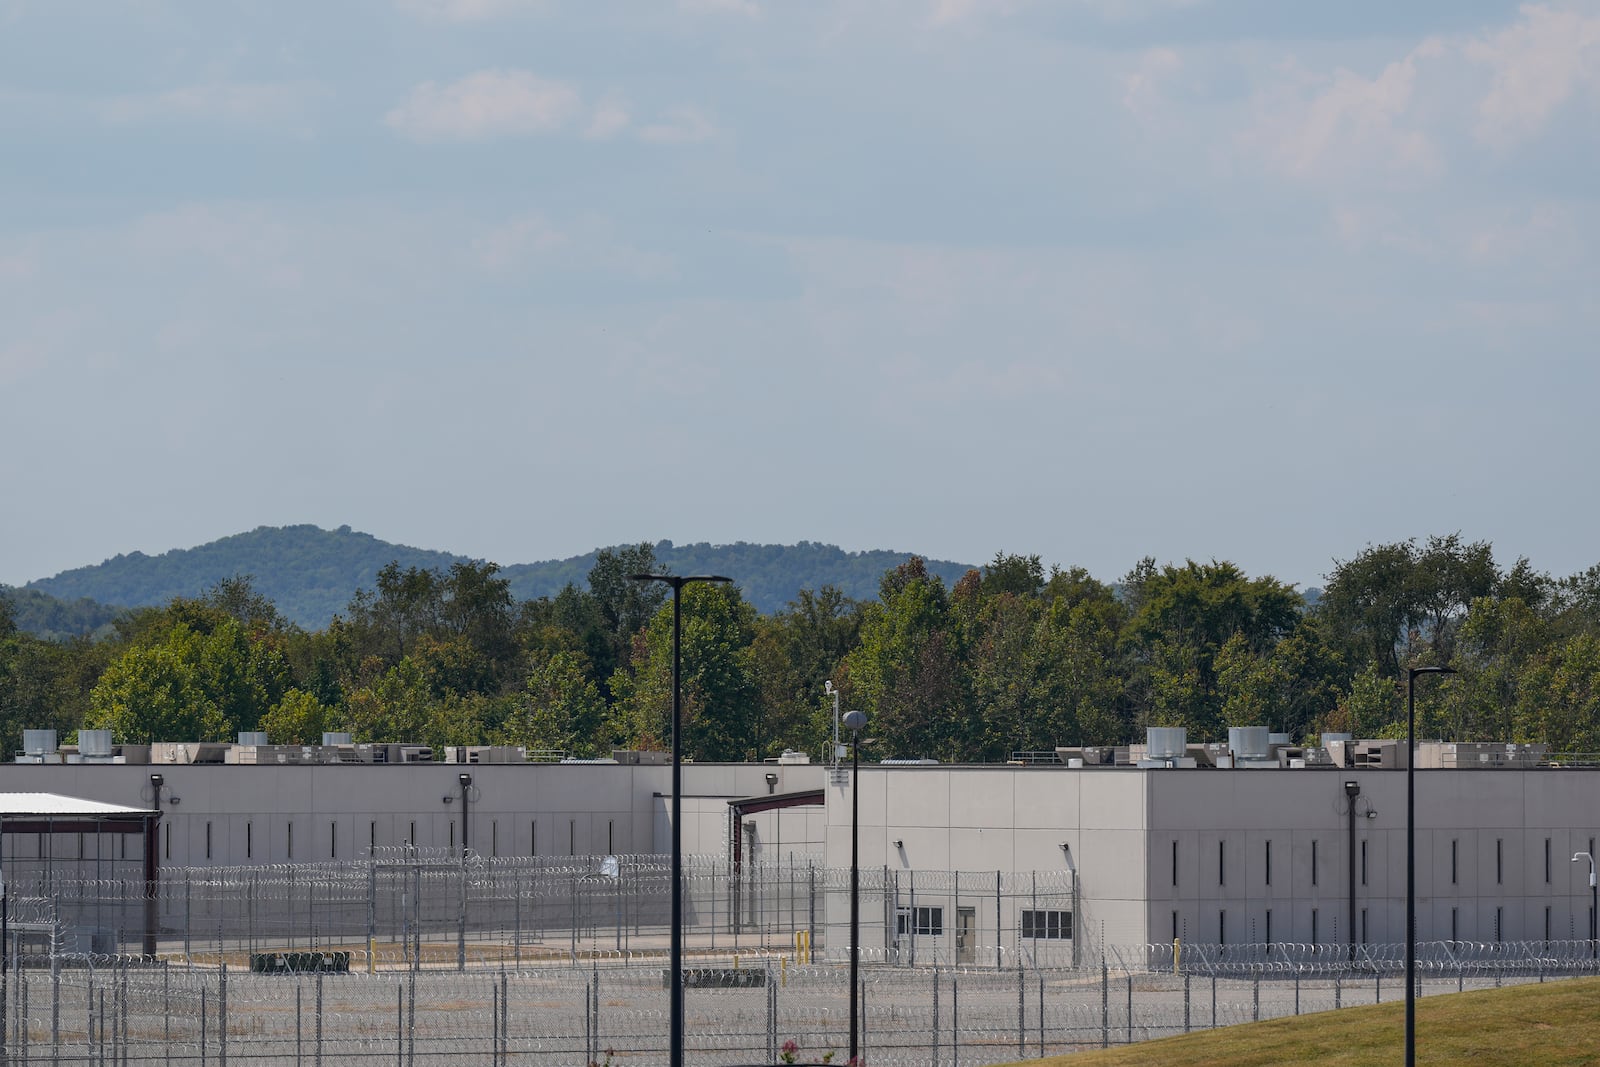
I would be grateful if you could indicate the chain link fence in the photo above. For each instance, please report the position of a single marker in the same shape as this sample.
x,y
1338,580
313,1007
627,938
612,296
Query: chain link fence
x,y
110,1010
412,956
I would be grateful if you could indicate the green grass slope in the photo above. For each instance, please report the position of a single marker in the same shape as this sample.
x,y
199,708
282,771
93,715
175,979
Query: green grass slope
x,y
1550,1025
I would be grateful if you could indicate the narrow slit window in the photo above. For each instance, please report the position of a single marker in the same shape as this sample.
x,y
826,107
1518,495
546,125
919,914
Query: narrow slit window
x,y
1455,848
1222,858
1363,863
1174,863
1313,862
1269,872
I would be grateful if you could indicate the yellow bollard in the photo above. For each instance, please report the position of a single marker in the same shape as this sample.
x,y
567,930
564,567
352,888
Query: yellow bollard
x,y
1177,949
736,963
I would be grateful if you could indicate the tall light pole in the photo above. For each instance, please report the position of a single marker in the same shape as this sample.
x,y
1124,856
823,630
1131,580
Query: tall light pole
x,y
1594,903
466,789
1411,855
855,720
677,582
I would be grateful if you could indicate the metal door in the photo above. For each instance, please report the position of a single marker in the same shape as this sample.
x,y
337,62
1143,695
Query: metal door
x,y
966,920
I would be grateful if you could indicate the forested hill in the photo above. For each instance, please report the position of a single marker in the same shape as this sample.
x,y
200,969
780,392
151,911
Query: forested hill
x,y
768,576
311,574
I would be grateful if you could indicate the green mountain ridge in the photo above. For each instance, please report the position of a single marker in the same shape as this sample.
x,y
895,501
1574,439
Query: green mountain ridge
x,y
311,574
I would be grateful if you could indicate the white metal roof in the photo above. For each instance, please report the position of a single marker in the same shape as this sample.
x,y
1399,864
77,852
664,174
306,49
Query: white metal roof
x,y
56,804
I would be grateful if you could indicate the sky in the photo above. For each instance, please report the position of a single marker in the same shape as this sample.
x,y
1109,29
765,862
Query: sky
x,y
1088,279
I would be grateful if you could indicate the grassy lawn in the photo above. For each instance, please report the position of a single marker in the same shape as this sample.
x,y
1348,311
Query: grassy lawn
x,y
1547,1025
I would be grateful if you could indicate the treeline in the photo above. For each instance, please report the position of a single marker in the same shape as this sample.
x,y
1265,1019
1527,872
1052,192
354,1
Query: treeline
x,y
1007,658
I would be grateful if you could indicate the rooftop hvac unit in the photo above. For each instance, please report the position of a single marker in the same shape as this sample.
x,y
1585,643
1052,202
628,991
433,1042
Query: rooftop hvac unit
x,y
790,756
94,744
253,737
1249,742
335,739
38,742
1166,742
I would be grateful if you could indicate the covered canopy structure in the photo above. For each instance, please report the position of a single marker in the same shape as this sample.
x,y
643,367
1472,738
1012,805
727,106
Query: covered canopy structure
x,y
76,857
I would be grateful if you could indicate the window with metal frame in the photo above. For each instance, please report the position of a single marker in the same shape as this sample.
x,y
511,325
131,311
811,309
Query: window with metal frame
x,y
919,920
1050,925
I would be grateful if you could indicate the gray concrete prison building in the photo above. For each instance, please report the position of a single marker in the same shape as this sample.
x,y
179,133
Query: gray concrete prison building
x,y
1249,843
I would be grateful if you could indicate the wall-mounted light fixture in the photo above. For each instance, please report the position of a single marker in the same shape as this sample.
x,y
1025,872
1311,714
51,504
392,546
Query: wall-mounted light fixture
x,y
772,782
899,843
448,799
156,782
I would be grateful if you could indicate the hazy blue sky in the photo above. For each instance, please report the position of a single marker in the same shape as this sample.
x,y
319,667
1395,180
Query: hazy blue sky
x,y
1094,279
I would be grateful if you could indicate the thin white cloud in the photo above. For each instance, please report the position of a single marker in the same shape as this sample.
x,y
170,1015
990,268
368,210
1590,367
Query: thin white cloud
x,y
468,10
608,119
1349,123
680,125
1538,65
489,103
747,8
517,103
1143,89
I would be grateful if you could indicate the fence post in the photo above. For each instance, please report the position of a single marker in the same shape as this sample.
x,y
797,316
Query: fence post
x,y
1105,1004
772,1017
202,1022
222,1013
319,1018
299,1026
997,928
955,1018
935,1015
461,920
1255,1005
1338,992
55,1004
1297,989
1041,1014
1130,1009
399,1026
1213,1000
1186,1001
1022,1008
411,1017
505,1019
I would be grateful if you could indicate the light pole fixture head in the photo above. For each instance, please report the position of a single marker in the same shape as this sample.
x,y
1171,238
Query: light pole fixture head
x,y
1414,671
855,720
772,782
